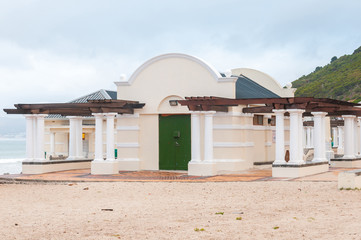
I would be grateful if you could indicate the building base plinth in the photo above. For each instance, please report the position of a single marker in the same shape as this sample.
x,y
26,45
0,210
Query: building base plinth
x,y
349,179
40,167
201,168
104,167
295,171
231,166
346,163
129,164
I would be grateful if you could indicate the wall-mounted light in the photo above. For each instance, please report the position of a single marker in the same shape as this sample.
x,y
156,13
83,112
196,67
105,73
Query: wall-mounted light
x,y
173,103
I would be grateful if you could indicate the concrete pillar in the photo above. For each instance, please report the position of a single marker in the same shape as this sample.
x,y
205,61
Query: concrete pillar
x,y
349,151
296,150
355,136
39,153
208,136
98,137
359,133
319,137
72,137
340,139
335,136
196,137
280,136
30,145
304,137
110,136
52,144
312,138
308,137
78,138
300,136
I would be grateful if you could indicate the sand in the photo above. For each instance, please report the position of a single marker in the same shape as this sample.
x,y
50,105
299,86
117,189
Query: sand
x,y
164,210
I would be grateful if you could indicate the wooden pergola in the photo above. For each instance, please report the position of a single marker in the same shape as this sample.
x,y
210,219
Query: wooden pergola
x,y
78,109
331,106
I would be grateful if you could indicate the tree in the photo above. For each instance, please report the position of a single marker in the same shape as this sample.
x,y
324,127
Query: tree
x,y
333,59
318,68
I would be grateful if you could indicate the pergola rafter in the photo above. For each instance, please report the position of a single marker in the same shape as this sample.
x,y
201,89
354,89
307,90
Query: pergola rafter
x,y
331,106
78,109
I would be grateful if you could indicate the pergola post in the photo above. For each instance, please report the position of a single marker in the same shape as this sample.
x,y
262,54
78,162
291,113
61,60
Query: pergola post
x,y
359,119
208,136
30,144
52,144
356,137
39,152
195,137
296,151
72,137
335,136
340,139
110,136
78,138
308,137
349,152
98,136
280,136
319,134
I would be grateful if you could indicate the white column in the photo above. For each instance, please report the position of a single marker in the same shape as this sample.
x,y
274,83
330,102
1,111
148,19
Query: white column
x,y
98,137
323,136
72,138
349,152
359,118
110,136
319,137
208,136
196,137
355,136
335,136
78,138
304,137
280,136
29,137
295,138
308,137
340,138
312,138
40,154
52,144
300,136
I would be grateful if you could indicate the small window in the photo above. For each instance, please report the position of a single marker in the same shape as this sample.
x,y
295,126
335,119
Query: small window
x,y
258,120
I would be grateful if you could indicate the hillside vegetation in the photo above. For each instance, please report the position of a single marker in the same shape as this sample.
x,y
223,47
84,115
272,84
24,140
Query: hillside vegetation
x,y
340,79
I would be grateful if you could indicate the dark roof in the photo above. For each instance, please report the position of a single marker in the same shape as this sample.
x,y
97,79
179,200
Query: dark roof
x,y
98,95
246,88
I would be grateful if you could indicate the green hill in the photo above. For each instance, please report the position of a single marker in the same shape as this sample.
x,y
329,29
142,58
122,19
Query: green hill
x,y
340,79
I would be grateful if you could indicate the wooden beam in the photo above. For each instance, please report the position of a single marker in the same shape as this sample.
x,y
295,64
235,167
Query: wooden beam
x,y
257,110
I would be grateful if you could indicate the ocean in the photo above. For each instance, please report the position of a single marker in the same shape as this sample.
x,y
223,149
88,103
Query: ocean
x,y
12,153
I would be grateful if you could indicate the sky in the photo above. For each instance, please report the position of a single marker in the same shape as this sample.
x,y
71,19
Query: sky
x,y
56,51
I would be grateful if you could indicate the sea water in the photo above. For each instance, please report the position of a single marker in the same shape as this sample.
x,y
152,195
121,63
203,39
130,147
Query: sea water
x,y
12,153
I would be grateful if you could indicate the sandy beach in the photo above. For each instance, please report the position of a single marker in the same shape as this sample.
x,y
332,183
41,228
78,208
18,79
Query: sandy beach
x,y
165,210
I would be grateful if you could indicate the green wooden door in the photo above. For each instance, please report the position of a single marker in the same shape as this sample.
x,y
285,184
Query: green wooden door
x,y
174,142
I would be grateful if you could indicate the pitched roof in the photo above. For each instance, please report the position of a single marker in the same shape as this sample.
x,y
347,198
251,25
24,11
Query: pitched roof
x,y
247,88
98,95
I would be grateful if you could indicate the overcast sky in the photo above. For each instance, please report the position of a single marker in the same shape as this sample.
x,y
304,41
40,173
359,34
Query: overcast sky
x,y
55,51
